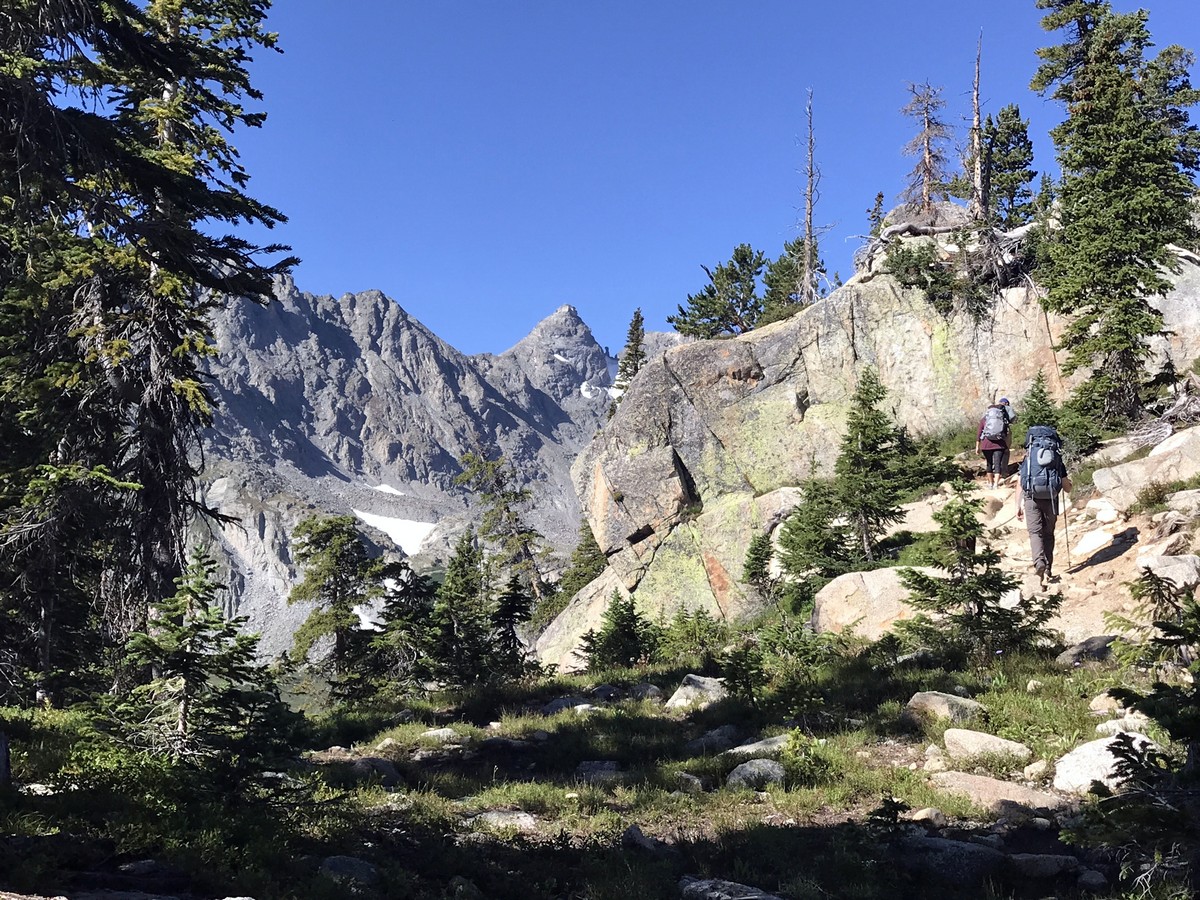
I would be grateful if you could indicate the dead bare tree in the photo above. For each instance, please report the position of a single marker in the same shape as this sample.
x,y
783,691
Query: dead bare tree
x,y
928,177
808,292
979,171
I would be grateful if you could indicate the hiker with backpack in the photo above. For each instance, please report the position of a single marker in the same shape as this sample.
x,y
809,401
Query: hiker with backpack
x,y
1043,477
992,439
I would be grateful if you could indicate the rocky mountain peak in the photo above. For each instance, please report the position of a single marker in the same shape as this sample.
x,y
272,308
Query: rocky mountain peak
x,y
350,405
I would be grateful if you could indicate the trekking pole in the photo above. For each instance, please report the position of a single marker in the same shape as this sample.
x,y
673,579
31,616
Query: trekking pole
x,y
1066,529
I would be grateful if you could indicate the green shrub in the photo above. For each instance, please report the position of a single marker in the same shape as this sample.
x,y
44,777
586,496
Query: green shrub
x,y
626,637
805,761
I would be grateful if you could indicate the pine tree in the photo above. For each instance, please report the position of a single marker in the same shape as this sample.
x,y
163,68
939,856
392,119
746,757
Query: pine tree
x,y
814,541
390,663
586,564
1037,408
339,577
512,609
867,495
928,178
518,546
1009,153
784,279
875,216
967,599
634,354
756,569
730,303
626,637
209,697
1127,158
117,178
456,643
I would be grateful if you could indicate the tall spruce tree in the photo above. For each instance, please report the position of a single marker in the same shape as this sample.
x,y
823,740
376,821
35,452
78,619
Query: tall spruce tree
x,y
512,609
730,303
457,640
518,546
339,576
1128,160
875,216
118,178
867,493
209,697
1009,154
634,353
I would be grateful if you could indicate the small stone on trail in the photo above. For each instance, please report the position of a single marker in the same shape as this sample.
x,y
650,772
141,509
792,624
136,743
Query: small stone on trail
x,y
1091,880
756,774
1105,703
932,815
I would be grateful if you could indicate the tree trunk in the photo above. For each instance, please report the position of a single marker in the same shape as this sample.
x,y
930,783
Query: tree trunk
x,y
979,198
808,288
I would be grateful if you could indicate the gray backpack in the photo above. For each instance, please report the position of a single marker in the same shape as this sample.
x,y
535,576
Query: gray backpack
x,y
994,423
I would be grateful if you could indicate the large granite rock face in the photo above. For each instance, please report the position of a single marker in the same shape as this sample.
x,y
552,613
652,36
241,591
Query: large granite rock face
x,y
1175,459
350,405
674,485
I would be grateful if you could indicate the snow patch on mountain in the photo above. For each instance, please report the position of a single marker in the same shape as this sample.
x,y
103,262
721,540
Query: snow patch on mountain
x,y
405,533
388,489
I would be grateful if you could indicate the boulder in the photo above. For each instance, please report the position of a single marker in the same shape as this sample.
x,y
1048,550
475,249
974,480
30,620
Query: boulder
x,y
598,771
1036,771
697,691
928,706
1091,762
372,768
646,691
506,820
1183,571
554,707
1041,866
764,749
1175,459
712,742
1090,542
714,889
756,775
1094,648
442,736
931,815
1092,882
869,603
962,743
1185,502
349,870
1103,511
719,425
945,861
1104,704
633,838
994,794
1134,722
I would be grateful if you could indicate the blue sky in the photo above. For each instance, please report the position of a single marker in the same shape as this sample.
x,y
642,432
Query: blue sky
x,y
484,162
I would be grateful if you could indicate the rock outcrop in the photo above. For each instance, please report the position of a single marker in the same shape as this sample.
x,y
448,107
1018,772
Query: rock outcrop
x,y
711,438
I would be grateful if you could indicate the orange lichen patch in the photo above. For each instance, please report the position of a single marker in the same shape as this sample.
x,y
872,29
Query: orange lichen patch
x,y
720,581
